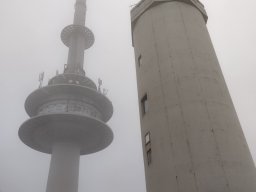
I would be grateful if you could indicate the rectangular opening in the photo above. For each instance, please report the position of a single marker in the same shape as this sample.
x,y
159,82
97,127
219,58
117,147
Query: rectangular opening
x,y
144,104
147,138
139,60
149,156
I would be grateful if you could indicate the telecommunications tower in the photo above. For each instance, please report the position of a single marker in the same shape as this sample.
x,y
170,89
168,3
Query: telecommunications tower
x,y
191,136
68,116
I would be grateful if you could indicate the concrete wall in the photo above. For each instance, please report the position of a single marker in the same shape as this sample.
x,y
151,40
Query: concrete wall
x,y
197,143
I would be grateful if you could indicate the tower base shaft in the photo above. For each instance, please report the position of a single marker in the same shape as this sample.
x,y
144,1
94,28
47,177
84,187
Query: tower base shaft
x,y
64,168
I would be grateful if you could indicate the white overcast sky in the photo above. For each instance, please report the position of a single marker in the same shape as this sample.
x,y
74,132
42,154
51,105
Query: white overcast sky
x,y
30,43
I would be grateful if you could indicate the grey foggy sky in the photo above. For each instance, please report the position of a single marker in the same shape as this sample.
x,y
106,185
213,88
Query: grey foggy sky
x,y
30,43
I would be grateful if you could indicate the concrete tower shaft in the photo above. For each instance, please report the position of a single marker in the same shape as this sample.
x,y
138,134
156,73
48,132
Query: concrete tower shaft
x,y
191,136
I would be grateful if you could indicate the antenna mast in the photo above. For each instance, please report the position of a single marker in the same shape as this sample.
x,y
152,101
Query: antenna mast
x,y
78,38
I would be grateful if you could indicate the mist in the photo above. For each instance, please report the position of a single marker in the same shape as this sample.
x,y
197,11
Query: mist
x,y
30,44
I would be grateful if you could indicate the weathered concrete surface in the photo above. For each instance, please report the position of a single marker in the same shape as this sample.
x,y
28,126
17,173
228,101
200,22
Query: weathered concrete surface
x,y
196,139
64,168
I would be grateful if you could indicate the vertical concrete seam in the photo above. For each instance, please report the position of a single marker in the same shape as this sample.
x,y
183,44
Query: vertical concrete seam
x,y
204,102
185,126
176,78
164,100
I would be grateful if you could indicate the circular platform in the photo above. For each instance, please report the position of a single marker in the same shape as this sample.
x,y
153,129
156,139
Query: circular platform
x,y
55,92
70,30
41,132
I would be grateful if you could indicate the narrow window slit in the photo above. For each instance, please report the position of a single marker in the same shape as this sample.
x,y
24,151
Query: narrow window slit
x,y
144,104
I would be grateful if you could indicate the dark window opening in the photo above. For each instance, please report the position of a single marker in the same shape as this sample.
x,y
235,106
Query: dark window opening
x,y
149,156
144,104
139,60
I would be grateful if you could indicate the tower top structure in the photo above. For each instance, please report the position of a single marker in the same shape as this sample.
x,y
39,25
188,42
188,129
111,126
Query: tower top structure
x,y
144,5
77,38
69,108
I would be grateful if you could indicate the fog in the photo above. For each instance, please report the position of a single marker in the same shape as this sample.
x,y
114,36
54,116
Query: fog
x,y
30,44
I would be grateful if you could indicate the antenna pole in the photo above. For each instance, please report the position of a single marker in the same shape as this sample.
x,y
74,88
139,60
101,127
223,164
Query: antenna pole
x,y
78,38
80,12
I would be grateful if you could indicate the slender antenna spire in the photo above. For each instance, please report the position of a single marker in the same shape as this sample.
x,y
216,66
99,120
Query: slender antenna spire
x,y
78,38
80,12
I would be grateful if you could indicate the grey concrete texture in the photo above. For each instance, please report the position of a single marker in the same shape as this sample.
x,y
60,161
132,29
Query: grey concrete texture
x,y
196,138
64,168
144,5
